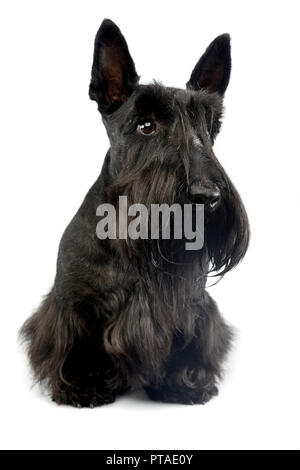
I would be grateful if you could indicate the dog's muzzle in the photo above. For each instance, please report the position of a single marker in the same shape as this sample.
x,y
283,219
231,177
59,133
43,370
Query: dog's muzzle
x,y
201,193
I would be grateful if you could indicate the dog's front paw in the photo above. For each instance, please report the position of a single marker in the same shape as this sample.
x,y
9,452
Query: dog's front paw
x,y
205,395
82,397
187,397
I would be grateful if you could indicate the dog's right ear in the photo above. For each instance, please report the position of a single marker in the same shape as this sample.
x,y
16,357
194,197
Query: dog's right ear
x,y
212,72
113,70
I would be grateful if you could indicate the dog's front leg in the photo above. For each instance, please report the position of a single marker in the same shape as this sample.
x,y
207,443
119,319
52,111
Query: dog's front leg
x,y
192,371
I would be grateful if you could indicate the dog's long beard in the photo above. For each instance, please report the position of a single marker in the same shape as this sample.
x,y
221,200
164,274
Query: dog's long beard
x,y
227,233
158,183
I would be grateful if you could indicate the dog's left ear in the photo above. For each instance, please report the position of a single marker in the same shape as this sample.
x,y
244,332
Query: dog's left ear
x,y
113,70
212,72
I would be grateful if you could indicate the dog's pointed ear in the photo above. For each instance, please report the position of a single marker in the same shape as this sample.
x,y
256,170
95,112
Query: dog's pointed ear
x,y
113,70
212,72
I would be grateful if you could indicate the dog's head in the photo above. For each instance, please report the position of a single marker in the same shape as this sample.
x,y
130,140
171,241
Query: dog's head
x,y
162,140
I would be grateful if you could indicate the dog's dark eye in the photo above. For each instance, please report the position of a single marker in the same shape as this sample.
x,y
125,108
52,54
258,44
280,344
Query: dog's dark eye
x,y
147,127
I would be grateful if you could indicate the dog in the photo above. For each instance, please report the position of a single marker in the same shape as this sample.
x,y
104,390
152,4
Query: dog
x,y
125,314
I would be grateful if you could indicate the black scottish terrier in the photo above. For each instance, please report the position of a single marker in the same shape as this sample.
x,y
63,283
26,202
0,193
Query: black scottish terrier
x,y
125,314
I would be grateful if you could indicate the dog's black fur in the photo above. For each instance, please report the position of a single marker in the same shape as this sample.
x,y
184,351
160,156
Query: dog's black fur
x,y
128,314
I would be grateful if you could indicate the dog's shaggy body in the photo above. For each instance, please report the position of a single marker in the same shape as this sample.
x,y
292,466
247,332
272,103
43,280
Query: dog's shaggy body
x,y
135,313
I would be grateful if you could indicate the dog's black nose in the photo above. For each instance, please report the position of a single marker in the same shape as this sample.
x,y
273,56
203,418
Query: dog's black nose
x,y
210,196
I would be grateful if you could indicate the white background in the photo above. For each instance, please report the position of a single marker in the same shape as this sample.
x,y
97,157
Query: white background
x,y
52,147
